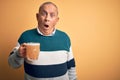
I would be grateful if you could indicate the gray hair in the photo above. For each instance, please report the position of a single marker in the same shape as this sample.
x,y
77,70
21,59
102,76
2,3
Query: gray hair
x,y
46,4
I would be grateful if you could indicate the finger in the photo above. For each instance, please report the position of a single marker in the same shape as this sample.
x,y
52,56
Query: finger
x,y
23,45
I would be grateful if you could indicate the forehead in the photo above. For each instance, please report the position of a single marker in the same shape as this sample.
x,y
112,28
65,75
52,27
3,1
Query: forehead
x,y
48,8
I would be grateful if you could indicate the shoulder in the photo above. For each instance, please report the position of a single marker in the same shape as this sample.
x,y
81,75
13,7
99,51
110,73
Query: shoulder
x,y
30,31
26,35
63,37
62,33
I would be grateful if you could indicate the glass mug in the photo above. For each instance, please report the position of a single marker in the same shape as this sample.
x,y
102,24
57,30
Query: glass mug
x,y
32,51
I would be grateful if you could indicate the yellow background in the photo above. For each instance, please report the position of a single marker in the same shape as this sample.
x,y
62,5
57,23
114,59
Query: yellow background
x,y
93,26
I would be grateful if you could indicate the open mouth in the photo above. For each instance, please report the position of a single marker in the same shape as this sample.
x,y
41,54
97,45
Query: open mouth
x,y
46,25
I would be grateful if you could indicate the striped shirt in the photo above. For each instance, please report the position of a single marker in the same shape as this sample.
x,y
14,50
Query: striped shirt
x,y
55,61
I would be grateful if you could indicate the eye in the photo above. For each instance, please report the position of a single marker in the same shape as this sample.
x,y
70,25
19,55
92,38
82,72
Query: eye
x,y
43,13
52,15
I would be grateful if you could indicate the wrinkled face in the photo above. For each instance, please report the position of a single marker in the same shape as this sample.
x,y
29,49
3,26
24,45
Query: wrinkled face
x,y
47,17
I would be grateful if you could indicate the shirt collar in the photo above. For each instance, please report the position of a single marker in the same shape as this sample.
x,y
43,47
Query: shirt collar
x,y
45,35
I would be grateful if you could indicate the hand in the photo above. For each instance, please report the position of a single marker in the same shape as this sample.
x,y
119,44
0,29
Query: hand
x,y
22,50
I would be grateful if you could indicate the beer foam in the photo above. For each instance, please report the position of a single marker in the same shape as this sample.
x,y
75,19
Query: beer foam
x,y
32,43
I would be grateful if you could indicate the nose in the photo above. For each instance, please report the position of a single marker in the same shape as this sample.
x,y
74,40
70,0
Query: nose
x,y
47,18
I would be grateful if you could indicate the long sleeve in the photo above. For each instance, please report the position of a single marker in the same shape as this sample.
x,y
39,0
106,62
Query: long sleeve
x,y
71,66
14,60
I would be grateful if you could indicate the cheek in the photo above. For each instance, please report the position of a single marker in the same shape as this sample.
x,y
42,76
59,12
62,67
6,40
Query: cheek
x,y
54,22
40,19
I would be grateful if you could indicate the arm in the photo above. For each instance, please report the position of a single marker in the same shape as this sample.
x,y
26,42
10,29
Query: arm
x,y
15,58
71,66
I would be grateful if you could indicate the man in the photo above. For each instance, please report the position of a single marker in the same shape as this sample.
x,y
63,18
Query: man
x,y
55,61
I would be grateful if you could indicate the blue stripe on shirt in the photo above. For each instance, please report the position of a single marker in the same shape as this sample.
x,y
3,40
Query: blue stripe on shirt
x,y
45,71
59,41
70,63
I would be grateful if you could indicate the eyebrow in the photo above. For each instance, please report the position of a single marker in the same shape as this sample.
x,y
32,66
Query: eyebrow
x,y
44,11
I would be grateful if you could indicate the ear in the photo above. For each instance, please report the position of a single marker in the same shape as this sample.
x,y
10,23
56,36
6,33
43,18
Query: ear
x,y
37,16
57,19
